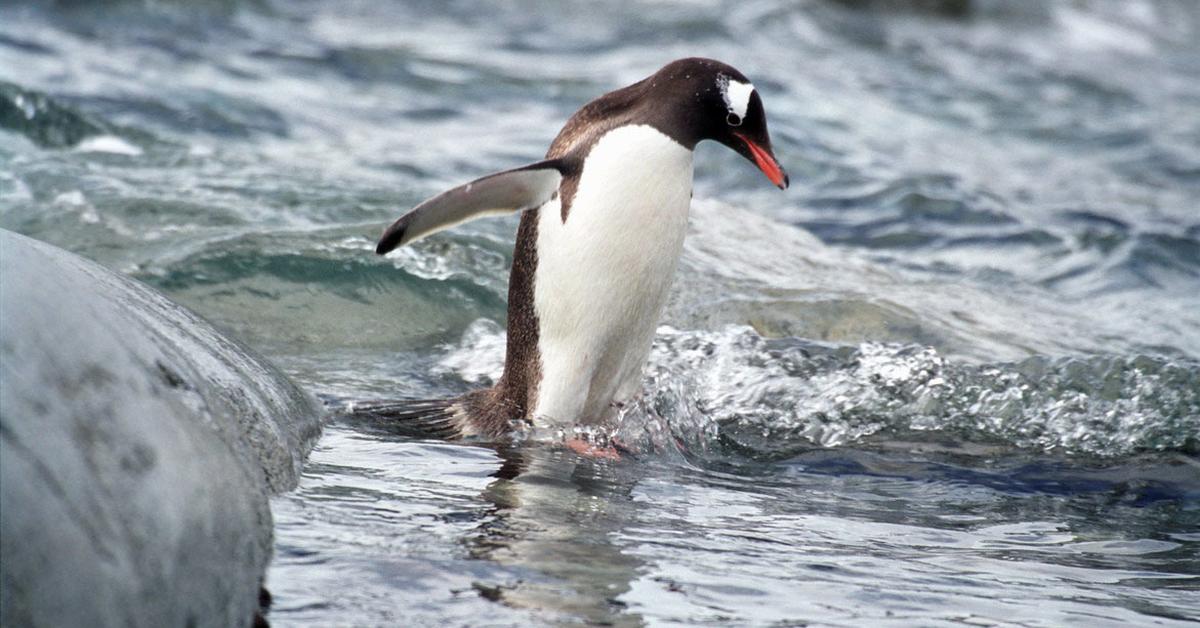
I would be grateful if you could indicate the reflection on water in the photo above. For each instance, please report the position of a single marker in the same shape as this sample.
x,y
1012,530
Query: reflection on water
x,y
901,532
530,529
554,517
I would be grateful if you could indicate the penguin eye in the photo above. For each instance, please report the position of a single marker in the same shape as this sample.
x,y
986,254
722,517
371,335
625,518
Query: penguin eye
x,y
733,119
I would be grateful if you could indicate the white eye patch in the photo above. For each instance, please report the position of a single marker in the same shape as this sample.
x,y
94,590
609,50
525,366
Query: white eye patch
x,y
736,95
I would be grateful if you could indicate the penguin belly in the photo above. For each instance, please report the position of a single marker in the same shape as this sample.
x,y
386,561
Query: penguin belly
x,y
603,273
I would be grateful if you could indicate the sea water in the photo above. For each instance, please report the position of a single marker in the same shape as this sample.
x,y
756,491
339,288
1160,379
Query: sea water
x,y
950,377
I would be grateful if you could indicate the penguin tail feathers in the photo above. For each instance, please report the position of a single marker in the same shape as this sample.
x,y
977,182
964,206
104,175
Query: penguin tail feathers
x,y
422,418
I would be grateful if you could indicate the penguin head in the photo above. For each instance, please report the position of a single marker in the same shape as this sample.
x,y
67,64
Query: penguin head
x,y
710,100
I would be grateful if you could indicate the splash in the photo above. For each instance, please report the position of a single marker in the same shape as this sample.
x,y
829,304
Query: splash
x,y
772,395
709,391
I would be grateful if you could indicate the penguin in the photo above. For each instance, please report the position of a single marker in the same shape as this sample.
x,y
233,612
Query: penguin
x,y
603,218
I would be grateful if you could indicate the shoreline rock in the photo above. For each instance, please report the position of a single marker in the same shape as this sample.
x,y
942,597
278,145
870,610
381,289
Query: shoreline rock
x,y
138,450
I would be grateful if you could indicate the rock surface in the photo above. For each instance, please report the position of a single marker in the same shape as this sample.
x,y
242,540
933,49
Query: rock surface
x,y
138,449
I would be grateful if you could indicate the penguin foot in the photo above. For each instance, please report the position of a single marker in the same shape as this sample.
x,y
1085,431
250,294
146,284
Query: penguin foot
x,y
591,450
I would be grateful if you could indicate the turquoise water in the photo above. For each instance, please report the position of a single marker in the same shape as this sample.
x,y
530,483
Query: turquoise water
x,y
951,376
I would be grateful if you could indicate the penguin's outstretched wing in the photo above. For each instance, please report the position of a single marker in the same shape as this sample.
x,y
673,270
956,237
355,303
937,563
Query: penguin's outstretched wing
x,y
501,193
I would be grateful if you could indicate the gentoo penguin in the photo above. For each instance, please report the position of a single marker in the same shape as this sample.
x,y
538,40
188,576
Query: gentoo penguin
x,y
604,216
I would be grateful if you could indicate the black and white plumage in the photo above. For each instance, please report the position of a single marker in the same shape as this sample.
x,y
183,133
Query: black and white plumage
x,y
601,234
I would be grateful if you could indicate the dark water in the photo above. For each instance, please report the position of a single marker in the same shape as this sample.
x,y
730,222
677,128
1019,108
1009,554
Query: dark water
x,y
951,377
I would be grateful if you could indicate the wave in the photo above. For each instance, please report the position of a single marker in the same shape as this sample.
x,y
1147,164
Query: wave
x,y
43,120
734,391
324,292
772,397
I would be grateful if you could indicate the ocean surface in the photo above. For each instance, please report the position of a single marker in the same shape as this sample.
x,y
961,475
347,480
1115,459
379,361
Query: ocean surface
x,y
950,377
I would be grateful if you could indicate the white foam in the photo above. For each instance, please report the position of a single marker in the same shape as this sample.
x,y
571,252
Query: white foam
x,y
75,200
108,144
479,358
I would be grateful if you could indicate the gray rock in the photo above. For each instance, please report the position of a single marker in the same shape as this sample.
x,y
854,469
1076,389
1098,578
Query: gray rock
x,y
138,449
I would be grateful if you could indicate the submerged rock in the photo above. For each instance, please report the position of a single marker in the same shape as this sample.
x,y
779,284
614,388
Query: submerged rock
x,y
42,119
138,449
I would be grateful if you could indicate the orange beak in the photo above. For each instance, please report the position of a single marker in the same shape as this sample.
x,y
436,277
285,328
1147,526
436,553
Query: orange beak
x,y
766,162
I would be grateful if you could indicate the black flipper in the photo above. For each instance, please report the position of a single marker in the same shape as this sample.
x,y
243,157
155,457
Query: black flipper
x,y
505,192
428,418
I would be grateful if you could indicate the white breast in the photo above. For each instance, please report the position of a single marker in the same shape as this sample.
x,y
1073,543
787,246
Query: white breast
x,y
602,276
